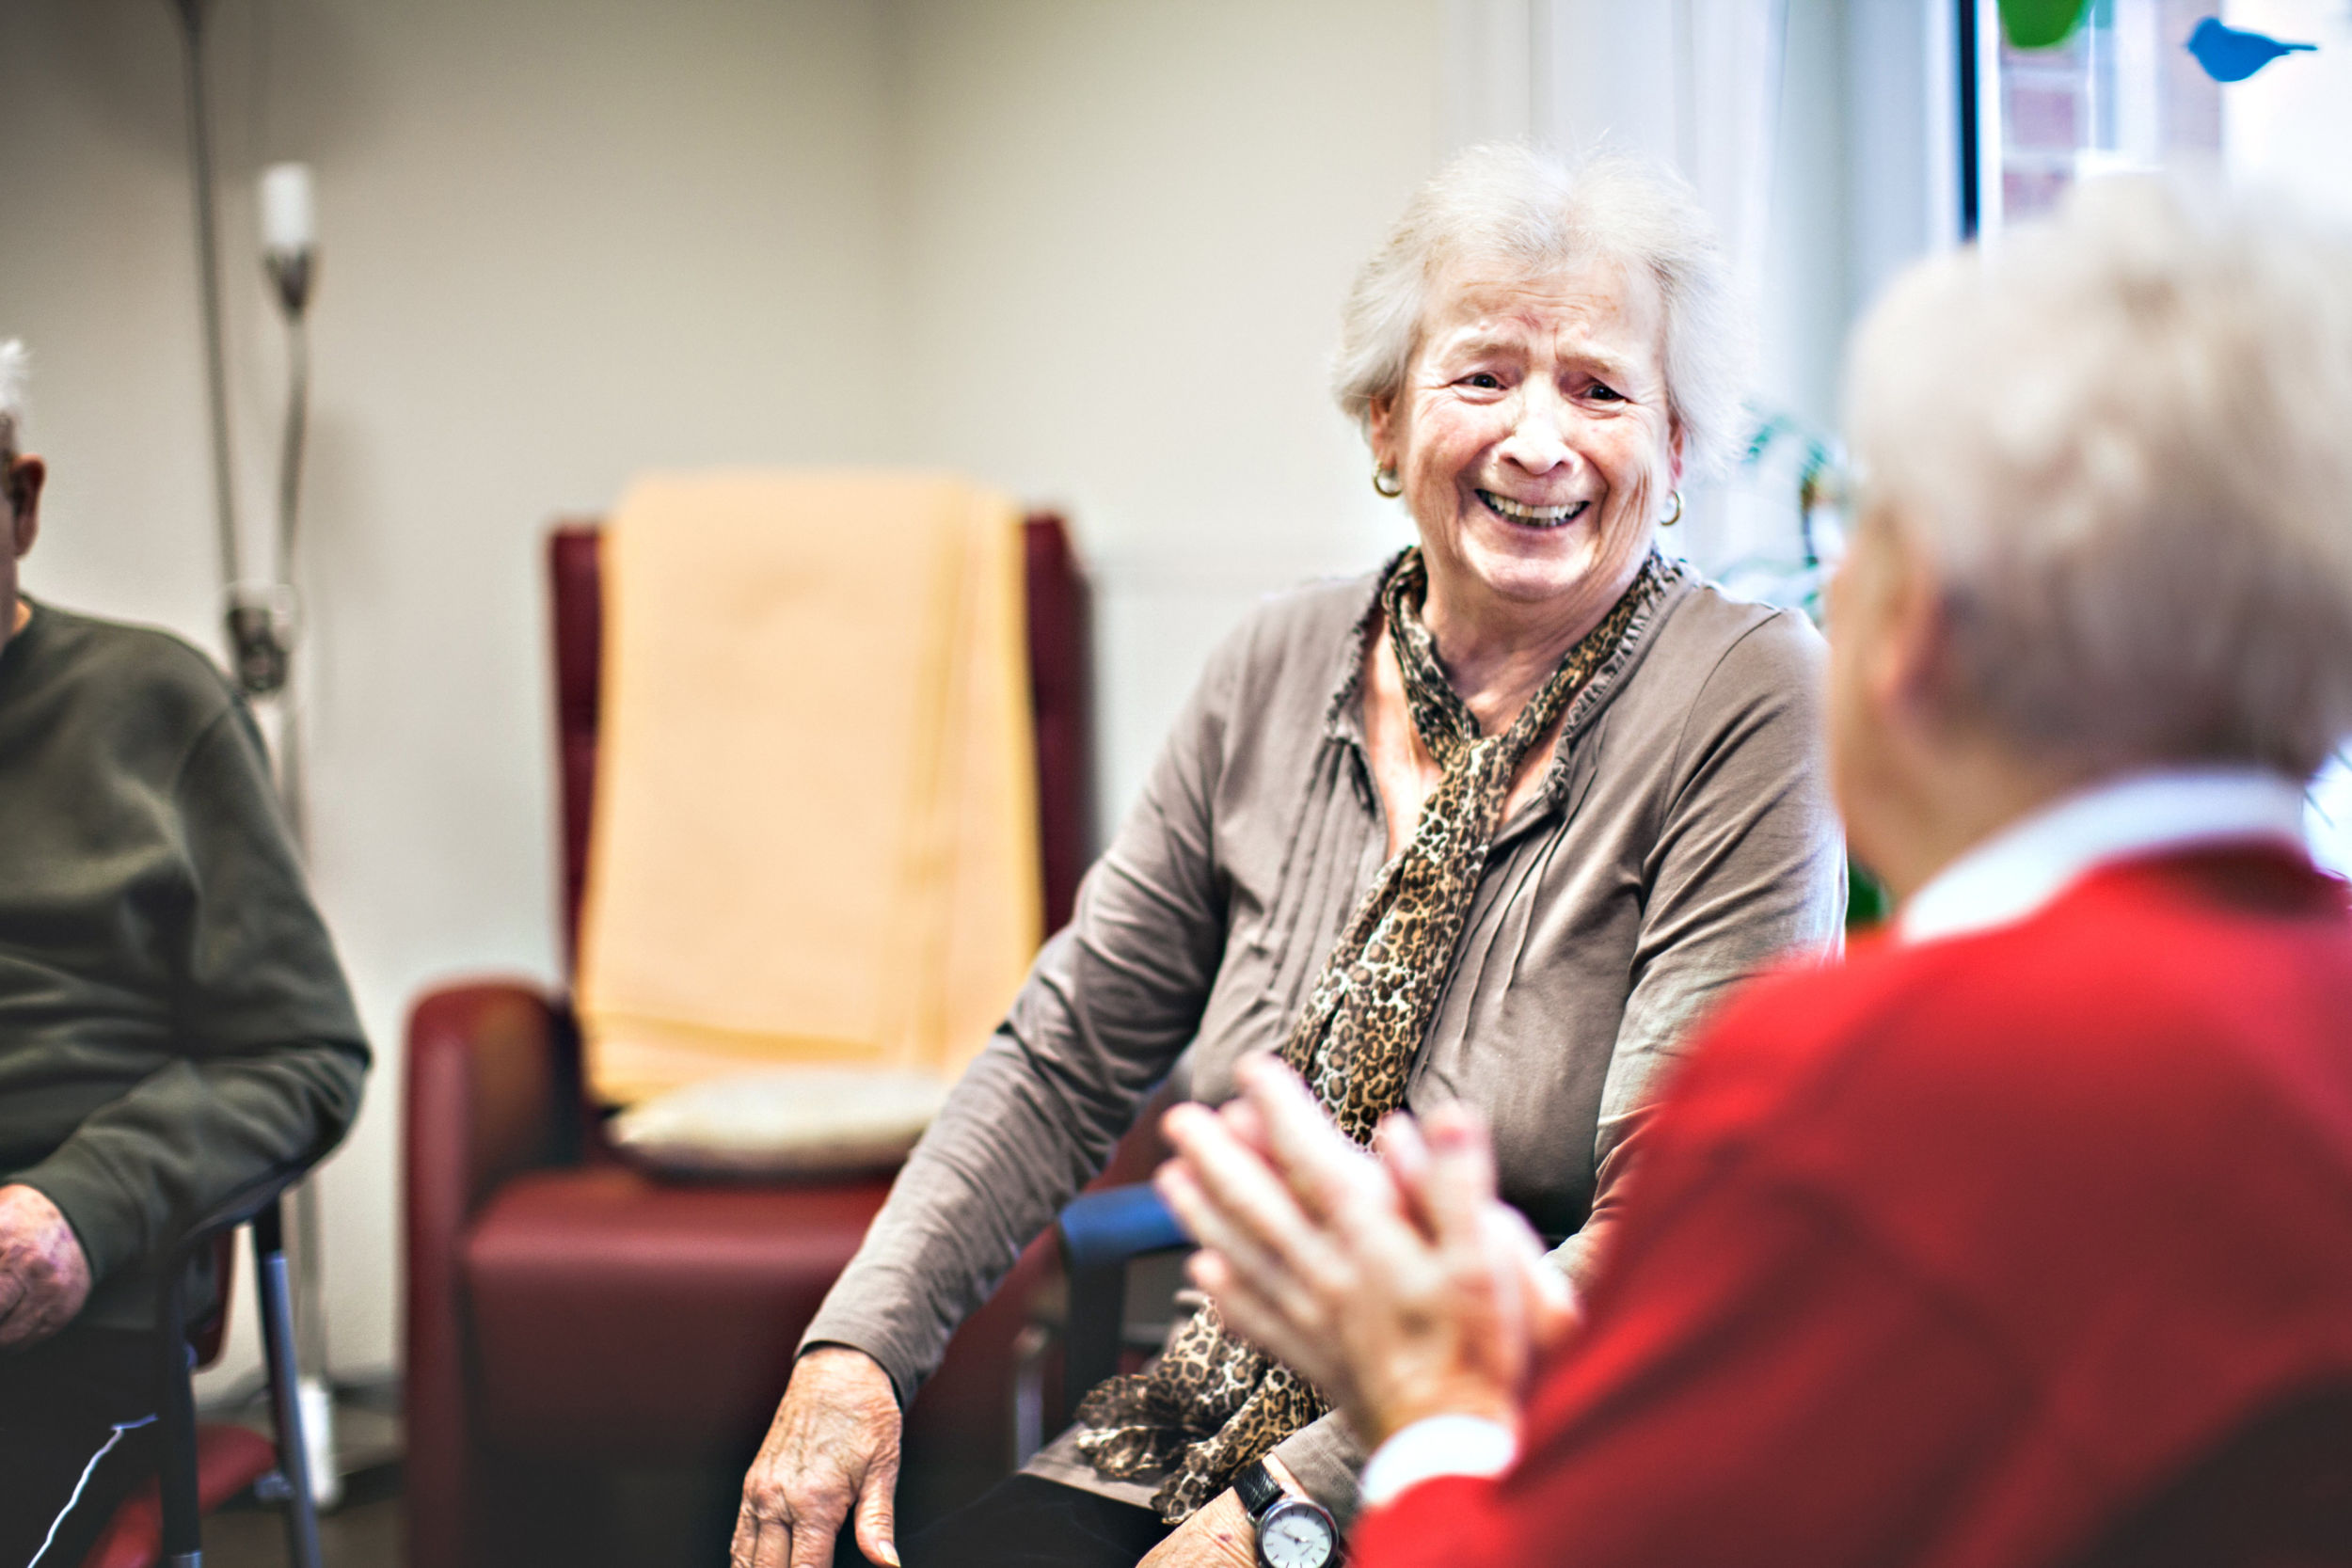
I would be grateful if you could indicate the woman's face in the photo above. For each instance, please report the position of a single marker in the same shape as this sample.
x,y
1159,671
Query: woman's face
x,y
1532,434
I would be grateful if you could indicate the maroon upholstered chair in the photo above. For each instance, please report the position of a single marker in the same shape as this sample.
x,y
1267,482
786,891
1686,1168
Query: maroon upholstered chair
x,y
565,1310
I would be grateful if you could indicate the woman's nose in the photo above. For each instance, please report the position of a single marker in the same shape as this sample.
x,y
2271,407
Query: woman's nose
x,y
1538,441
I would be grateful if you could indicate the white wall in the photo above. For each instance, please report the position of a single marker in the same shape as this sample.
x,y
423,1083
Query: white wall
x,y
1902,135
1092,253
1128,232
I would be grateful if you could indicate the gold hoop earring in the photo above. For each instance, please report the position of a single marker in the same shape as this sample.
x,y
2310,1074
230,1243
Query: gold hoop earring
x,y
1676,516
1386,484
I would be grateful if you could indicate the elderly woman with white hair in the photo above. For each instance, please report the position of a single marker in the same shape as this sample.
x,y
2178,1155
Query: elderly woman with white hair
x,y
1496,822
2024,1238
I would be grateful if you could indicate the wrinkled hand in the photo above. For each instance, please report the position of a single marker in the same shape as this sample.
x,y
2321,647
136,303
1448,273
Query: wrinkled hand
x,y
1399,1286
832,1447
44,1275
1220,1535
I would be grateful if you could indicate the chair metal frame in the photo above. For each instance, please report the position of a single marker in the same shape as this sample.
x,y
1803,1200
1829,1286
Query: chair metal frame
x,y
1101,1233
258,1204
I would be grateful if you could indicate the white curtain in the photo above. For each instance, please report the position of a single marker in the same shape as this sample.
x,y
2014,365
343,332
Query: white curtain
x,y
1696,84
1693,83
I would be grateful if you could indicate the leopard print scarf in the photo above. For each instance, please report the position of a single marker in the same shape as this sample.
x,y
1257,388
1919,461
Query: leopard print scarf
x,y
1213,1403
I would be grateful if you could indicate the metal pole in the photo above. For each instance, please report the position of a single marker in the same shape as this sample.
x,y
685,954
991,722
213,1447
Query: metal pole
x,y
292,274
294,1459
208,285
297,428
183,1529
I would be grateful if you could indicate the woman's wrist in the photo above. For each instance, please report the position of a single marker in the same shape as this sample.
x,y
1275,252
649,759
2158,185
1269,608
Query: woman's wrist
x,y
1461,1396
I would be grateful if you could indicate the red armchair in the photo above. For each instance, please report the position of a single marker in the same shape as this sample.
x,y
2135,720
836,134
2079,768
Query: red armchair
x,y
566,1310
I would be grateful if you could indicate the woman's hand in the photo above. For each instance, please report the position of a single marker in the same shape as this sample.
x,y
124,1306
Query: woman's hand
x,y
832,1447
44,1275
1221,1533
1399,1286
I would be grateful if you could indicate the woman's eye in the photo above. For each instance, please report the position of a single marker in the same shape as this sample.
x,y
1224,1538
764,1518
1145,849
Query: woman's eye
x,y
1604,394
1484,380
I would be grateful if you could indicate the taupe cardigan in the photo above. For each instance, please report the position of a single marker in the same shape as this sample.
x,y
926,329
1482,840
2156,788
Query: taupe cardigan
x,y
1684,836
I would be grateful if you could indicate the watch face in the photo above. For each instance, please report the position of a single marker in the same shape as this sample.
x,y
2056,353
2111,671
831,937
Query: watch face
x,y
1295,1535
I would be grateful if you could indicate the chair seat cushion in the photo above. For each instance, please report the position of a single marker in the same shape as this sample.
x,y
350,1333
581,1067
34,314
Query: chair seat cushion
x,y
228,1459
615,1315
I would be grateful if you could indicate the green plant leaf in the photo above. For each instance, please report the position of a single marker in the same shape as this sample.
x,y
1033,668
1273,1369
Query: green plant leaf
x,y
2040,24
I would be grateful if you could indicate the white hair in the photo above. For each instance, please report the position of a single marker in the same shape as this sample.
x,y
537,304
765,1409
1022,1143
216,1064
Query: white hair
x,y
2124,440
14,363
1535,215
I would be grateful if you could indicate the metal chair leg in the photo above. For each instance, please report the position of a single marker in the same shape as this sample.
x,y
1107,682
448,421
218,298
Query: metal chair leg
x,y
274,1289
183,1528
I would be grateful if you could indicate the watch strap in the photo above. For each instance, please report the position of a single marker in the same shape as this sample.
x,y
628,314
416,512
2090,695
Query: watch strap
x,y
1256,1488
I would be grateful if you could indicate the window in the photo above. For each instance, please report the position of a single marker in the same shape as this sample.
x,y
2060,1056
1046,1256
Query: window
x,y
2123,93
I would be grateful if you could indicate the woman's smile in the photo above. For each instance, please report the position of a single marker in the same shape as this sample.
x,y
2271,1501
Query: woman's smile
x,y
1527,516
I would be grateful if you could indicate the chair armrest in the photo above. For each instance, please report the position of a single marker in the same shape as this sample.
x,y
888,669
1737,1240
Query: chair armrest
x,y
492,1089
214,1231
245,1203
492,1078
1100,1230
1101,1233
211,1228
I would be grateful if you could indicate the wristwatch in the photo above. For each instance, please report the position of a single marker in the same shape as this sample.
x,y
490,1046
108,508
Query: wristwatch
x,y
1292,1532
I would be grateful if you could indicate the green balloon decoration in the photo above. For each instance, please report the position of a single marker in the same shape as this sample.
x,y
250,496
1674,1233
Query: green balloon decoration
x,y
2042,23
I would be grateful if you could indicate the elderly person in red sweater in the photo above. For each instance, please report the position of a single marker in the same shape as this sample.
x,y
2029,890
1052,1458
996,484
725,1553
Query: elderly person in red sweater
x,y
2024,1237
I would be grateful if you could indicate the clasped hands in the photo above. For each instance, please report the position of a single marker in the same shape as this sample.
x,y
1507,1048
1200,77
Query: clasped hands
x,y
1393,1279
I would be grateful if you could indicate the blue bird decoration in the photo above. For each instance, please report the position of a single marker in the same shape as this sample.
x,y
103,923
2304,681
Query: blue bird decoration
x,y
2232,55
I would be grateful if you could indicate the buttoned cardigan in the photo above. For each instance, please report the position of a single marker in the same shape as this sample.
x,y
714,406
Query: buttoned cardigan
x,y
1683,837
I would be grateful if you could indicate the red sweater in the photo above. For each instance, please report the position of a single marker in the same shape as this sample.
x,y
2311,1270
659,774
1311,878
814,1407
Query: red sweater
x,y
1958,1253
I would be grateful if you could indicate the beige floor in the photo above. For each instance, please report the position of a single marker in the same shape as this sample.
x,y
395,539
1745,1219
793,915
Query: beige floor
x,y
367,1534
363,1536
648,1522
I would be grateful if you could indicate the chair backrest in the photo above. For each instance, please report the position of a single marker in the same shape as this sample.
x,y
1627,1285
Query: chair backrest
x,y
1060,693
2275,1494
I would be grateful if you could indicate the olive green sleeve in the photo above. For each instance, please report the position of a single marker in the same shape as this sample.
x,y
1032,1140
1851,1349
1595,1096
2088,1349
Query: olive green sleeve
x,y
268,1054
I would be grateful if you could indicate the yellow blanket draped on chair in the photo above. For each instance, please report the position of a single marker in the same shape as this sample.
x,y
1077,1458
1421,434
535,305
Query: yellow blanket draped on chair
x,y
815,837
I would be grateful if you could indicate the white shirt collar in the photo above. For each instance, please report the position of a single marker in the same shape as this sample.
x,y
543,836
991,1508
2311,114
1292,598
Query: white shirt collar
x,y
2026,864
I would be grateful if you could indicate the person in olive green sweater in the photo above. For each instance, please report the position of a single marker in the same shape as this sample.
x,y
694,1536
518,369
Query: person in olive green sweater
x,y
173,1023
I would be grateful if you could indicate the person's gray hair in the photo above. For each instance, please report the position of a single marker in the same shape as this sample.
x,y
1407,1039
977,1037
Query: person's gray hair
x,y
14,363
2120,437
1532,214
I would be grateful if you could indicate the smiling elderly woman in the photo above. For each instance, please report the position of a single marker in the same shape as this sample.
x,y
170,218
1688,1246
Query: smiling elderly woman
x,y
1496,822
